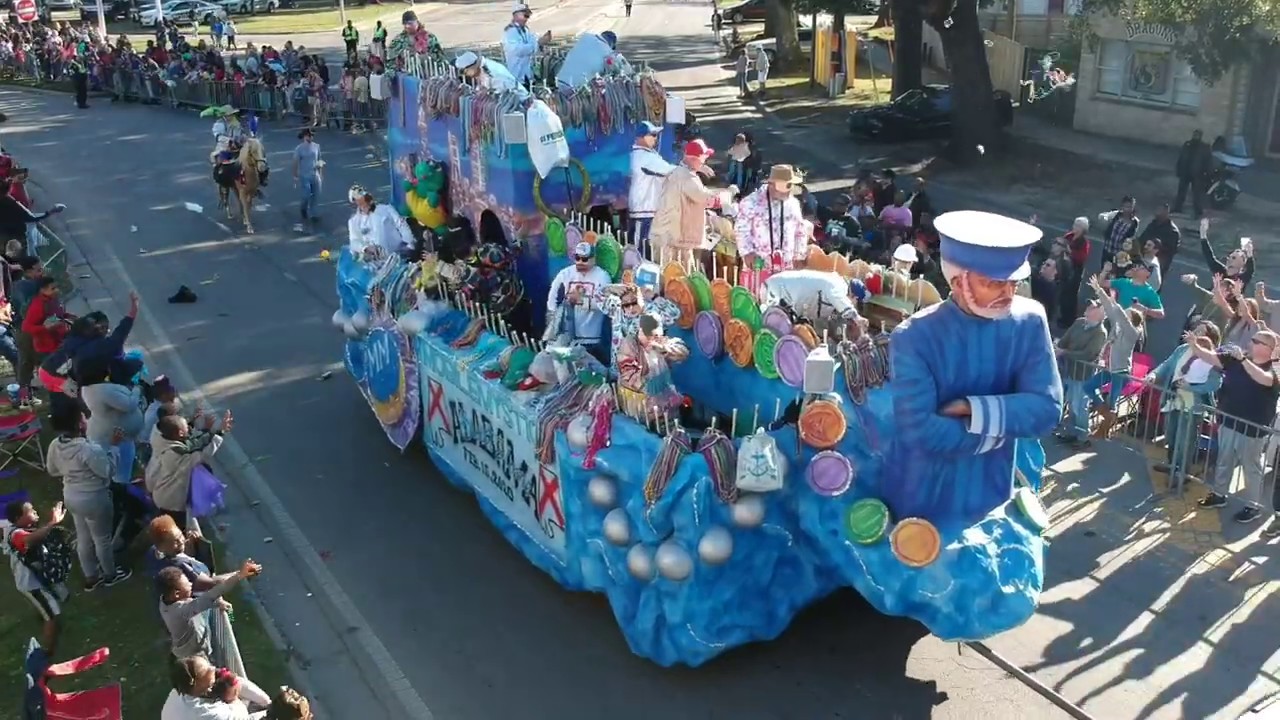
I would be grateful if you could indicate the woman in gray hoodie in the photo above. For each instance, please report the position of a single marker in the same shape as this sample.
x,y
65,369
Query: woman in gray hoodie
x,y
86,469
1127,328
114,403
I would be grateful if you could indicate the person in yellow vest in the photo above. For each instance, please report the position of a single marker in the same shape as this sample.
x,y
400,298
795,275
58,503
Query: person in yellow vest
x,y
351,37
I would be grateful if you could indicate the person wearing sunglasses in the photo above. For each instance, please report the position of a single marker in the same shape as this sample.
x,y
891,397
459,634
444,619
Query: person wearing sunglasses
x,y
574,303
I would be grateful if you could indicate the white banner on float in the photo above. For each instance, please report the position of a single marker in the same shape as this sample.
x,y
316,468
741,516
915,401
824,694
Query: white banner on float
x,y
476,426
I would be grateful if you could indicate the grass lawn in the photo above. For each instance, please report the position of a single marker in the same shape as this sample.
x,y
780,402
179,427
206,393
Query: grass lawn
x,y
122,618
313,18
791,98
17,81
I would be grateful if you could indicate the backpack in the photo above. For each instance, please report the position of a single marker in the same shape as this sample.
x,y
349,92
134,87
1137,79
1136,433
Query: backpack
x,y
50,561
760,466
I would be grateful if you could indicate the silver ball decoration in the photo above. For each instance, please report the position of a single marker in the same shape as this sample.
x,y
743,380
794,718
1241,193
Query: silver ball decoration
x,y
716,546
340,318
674,562
748,511
412,323
640,563
350,331
617,529
360,321
602,492
578,432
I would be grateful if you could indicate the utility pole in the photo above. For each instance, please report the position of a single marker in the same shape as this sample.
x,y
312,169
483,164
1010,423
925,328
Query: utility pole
x,y
102,21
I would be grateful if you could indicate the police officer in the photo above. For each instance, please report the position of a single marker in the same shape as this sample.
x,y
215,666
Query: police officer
x,y
351,37
80,80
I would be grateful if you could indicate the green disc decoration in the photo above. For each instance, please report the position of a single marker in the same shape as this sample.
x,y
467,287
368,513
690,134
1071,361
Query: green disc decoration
x,y
867,521
743,305
609,256
701,288
766,340
555,236
1032,509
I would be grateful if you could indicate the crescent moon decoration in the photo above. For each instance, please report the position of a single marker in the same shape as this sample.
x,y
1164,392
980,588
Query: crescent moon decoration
x,y
394,399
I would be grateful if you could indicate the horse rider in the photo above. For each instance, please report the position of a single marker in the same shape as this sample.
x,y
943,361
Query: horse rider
x,y
226,160
226,129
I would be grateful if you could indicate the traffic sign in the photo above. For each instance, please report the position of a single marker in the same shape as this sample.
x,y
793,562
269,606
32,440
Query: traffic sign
x,y
25,10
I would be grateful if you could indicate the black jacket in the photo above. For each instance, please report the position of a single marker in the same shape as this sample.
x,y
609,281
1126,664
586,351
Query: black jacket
x,y
14,218
1194,160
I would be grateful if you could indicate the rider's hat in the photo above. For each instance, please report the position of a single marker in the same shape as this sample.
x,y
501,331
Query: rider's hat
x,y
306,132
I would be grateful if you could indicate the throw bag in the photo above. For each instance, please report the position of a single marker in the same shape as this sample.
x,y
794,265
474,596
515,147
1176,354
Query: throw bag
x,y
760,468
547,145
206,492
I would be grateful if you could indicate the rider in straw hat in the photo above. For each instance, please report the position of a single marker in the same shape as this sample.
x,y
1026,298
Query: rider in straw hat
x,y
771,229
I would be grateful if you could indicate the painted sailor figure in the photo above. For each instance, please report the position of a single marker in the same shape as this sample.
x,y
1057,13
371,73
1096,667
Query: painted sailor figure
x,y
972,376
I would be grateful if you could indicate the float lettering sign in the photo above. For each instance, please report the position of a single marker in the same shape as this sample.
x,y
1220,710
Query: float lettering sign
x,y
477,426
384,365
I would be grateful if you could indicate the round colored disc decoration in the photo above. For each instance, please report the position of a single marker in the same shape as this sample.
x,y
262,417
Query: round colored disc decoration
x,y
829,473
1031,507
765,343
806,334
789,357
672,271
572,236
609,256
590,237
738,342
631,257
822,424
867,521
708,333
677,291
557,244
777,320
743,306
721,291
916,542
701,288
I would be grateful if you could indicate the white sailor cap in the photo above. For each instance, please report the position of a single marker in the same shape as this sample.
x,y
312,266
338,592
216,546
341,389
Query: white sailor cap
x,y
466,60
905,253
988,244
520,7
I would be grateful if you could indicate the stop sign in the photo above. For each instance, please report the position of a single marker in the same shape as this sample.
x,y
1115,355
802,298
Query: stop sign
x,y
25,10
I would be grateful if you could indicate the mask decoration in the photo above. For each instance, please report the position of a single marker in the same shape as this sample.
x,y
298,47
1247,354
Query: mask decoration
x,y
424,195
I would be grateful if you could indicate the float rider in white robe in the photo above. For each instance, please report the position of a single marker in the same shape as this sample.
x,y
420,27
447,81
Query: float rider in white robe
x,y
375,231
520,45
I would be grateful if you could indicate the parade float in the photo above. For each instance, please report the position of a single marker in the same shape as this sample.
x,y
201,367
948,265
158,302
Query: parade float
x,y
779,466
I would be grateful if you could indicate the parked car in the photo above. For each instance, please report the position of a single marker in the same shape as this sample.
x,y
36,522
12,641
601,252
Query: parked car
x,y
770,45
745,11
918,114
180,10
63,5
244,7
112,10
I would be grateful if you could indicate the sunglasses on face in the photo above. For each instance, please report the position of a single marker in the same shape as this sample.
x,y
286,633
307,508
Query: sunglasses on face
x,y
581,258
629,305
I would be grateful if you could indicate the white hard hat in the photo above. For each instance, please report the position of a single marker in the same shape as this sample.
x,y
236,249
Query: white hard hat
x,y
520,7
905,253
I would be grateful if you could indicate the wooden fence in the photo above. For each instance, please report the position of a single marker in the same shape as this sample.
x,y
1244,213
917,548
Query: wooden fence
x,y
1007,61
825,64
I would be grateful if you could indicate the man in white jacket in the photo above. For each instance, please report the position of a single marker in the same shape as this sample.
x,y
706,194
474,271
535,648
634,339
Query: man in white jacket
x,y
578,289
648,172
519,44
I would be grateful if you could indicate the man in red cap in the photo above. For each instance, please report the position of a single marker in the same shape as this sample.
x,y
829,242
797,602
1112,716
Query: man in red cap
x,y
680,224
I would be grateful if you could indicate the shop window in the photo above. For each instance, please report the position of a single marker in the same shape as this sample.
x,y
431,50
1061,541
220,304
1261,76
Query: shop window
x,y
1146,74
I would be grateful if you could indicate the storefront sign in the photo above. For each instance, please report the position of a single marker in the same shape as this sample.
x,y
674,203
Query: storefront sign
x,y
477,426
387,372
1135,30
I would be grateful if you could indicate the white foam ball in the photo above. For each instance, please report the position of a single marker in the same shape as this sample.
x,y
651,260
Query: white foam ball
x,y
617,528
748,511
602,491
716,546
673,561
640,563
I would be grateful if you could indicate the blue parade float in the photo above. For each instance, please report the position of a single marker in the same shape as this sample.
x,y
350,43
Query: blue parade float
x,y
691,564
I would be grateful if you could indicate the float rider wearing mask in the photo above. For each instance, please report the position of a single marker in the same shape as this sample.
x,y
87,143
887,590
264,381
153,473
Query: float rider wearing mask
x,y
519,44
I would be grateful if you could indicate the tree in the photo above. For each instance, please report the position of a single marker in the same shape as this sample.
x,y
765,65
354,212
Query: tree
x,y
974,121
780,24
908,41
1213,35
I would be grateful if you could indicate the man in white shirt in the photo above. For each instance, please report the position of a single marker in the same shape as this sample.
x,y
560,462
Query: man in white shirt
x,y
519,44
579,288
486,73
375,231
648,171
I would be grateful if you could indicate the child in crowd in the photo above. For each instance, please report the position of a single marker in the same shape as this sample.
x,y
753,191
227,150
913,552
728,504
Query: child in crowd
x,y
185,616
175,455
28,544
1127,328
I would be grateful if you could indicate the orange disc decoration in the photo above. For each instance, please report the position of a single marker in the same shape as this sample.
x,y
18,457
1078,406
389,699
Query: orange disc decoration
x,y
807,335
822,424
672,271
916,542
590,237
739,342
678,292
721,291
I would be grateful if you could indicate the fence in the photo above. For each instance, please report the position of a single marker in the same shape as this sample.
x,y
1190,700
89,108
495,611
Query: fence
x,y
1185,428
1005,58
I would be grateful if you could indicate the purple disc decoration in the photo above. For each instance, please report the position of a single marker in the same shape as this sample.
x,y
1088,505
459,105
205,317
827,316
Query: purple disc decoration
x,y
631,258
777,320
708,333
829,473
789,357
572,236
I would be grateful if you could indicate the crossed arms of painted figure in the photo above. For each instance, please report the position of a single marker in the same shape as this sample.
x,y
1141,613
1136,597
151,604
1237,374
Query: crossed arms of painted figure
x,y
974,424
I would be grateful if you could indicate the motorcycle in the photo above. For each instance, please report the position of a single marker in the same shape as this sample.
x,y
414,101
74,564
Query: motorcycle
x,y
1223,187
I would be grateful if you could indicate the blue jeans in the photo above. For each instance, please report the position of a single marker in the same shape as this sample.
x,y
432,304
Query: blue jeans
x,y
1077,407
1182,435
33,238
738,175
742,84
1093,387
309,187
128,451
9,348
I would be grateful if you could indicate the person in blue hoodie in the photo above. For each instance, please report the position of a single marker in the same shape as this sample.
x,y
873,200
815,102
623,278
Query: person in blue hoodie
x,y
92,341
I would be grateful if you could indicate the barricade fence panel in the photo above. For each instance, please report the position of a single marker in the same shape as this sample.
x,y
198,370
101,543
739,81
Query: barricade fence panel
x,y
1188,436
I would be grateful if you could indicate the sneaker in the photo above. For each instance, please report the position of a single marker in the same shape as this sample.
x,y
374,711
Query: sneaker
x,y
1247,515
94,584
1213,500
1272,530
122,574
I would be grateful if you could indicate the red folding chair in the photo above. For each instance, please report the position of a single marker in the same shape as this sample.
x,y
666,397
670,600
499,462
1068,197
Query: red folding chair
x,y
20,440
102,703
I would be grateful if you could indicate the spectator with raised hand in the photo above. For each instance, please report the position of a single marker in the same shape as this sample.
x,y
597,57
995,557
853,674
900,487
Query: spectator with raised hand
x,y
289,704
168,474
46,323
185,616
203,692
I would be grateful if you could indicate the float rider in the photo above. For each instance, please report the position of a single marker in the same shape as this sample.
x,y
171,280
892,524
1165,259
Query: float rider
x,y
226,162
487,73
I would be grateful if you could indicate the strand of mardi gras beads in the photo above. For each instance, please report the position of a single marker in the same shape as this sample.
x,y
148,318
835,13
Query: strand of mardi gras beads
x,y
675,446
722,460
557,414
601,425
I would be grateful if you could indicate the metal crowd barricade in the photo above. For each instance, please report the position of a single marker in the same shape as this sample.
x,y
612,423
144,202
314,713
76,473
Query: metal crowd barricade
x,y
1185,433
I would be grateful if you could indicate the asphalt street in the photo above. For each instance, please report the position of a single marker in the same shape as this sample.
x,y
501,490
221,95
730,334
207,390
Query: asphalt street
x,y
477,631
